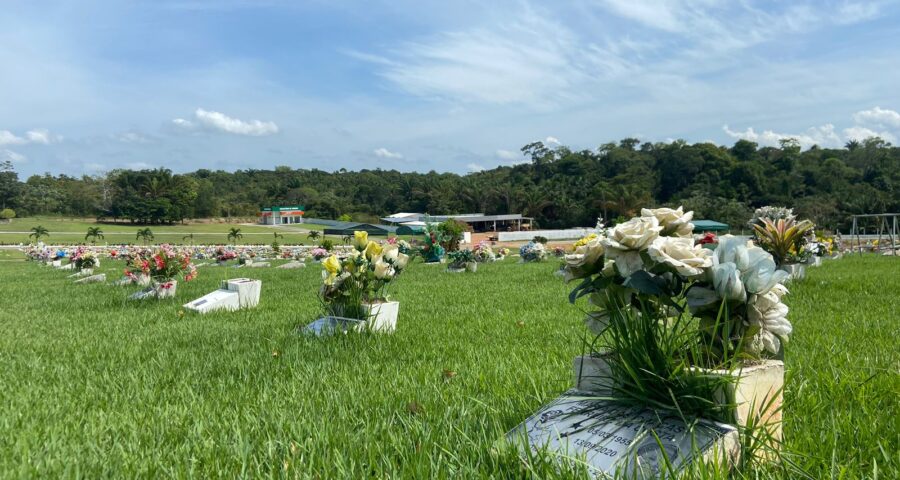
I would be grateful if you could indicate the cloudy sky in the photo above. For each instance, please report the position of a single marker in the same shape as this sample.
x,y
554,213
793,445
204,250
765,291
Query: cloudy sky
x,y
88,86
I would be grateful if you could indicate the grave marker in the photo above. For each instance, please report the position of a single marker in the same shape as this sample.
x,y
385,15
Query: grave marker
x,y
616,439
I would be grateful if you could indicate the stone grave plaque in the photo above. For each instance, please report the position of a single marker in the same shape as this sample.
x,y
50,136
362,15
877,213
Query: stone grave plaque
x,y
618,440
99,278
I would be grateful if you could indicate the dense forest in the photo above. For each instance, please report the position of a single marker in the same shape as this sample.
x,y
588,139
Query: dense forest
x,y
559,187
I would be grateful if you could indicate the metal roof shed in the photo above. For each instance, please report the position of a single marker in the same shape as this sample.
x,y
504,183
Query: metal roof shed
x,y
347,228
701,226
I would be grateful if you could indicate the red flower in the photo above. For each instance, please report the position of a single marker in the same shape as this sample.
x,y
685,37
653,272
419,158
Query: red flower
x,y
709,237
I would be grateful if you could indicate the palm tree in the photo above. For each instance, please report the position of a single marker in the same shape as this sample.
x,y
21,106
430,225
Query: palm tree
x,y
190,235
277,235
94,233
346,239
313,235
38,232
144,234
234,234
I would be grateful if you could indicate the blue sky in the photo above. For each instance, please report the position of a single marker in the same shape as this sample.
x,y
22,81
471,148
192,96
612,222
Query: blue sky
x,y
89,86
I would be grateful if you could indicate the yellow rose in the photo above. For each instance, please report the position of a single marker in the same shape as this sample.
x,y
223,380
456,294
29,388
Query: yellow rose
x,y
373,250
360,240
332,265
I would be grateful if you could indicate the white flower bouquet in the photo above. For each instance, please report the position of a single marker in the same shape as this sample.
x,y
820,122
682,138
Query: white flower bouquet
x,y
662,307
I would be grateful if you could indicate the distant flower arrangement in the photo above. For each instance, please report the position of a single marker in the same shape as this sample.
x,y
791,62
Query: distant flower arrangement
x,y
319,253
84,259
483,252
162,265
532,252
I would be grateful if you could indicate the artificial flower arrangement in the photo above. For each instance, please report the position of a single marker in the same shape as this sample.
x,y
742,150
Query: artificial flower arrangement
x,y
532,252
223,255
162,267
354,286
672,321
84,259
502,253
709,240
462,260
785,238
483,252
559,252
318,254
432,251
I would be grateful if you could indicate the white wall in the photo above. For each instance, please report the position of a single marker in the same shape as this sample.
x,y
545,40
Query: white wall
x,y
570,234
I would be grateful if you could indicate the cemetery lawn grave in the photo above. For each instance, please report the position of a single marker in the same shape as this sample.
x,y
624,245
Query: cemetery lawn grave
x,y
94,385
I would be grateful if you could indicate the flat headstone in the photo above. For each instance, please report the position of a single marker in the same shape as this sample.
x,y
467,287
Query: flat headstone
x,y
148,292
99,278
292,264
235,294
330,325
259,265
615,439
218,300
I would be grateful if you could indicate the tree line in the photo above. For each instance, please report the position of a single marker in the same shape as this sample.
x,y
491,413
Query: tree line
x,y
557,186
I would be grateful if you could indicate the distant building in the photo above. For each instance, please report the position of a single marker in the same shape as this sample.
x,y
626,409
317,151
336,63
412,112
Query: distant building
x,y
478,221
281,215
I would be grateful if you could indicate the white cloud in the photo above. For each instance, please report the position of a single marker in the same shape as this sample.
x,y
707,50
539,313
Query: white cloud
x,y
38,136
861,133
217,121
12,156
552,141
508,154
474,167
132,137
385,153
824,136
878,116
528,60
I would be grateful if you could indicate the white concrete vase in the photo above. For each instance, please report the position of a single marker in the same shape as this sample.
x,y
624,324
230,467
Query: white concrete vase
x,y
382,316
165,289
796,270
757,393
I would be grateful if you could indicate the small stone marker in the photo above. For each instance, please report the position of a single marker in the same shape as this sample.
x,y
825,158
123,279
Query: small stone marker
x,y
292,264
330,325
259,265
617,440
148,292
235,294
99,278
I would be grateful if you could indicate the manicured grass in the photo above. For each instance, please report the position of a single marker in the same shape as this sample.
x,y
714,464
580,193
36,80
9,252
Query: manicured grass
x,y
95,386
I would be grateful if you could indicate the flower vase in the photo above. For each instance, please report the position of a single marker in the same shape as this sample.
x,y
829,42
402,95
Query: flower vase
x,y
382,316
165,289
471,267
757,393
796,270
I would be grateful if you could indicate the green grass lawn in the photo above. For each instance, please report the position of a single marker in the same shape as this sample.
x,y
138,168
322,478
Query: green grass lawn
x,y
69,231
97,386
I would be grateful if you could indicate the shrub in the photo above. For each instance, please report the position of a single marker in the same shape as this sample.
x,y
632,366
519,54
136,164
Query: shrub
x,y
7,214
327,245
452,232
540,239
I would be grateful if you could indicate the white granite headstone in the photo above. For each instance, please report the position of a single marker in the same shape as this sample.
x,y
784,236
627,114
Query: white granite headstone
x,y
235,294
618,440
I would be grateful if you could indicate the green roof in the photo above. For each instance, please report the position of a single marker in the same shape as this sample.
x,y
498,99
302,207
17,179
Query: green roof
x,y
709,226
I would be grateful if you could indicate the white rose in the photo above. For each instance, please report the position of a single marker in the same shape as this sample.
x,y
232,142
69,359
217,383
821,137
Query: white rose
x,y
767,312
583,262
383,269
635,234
675,222
402,260
681,254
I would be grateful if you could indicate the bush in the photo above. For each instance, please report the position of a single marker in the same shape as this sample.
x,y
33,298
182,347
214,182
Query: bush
x,y
540,239
452,231
345,218
7,214
327,244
